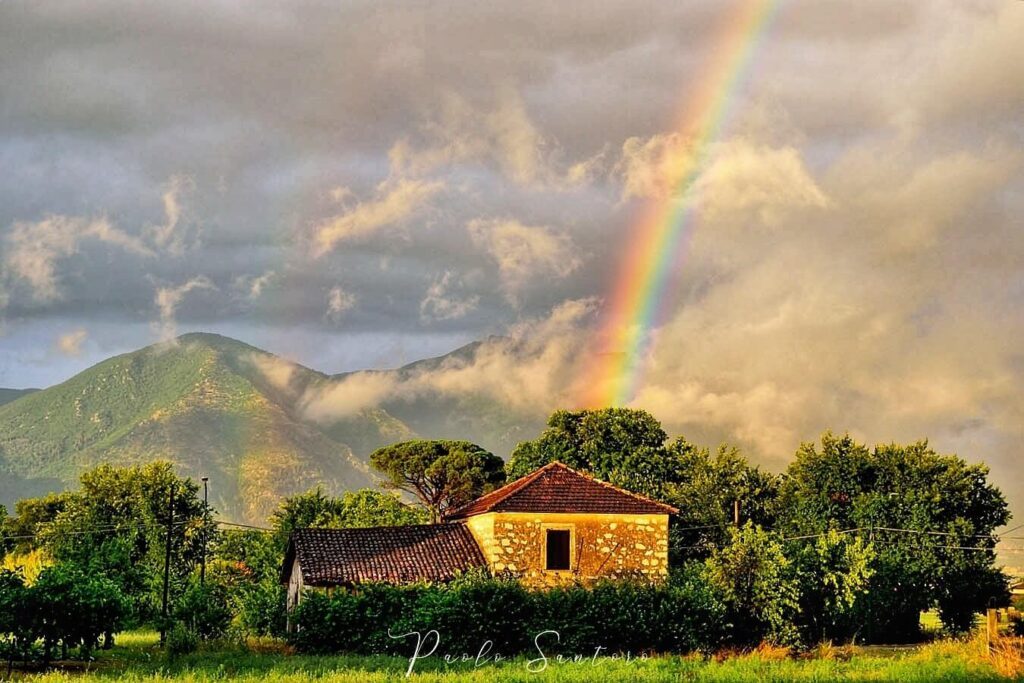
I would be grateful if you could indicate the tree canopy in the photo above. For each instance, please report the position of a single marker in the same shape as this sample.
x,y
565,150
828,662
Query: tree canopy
x,y
930,518
362,508
441,475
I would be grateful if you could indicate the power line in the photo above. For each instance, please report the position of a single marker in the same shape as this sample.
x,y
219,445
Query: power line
x,y
95,530
243,526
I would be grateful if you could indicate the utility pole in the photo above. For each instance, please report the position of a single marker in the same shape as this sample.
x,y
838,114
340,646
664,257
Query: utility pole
x,y
206,528
736,512
167,566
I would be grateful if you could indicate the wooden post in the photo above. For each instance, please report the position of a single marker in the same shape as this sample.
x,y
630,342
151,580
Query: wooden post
x,y
167,567
206,525
736,512
991,628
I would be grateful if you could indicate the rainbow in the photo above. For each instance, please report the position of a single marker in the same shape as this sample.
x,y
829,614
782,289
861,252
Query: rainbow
x,y
656,256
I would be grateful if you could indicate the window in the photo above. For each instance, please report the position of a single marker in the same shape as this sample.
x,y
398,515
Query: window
x,y
558,549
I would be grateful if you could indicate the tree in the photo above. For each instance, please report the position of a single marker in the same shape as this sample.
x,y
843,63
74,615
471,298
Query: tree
x,y
114,525
706,490
832,572
204,608
757,583
31,515
73,608
15,616
442,475
622,446
29,564
362,508
247,563
931,518
5,543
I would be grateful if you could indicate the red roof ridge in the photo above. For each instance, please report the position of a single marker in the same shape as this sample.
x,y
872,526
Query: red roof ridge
x,y
488,501
500,493
672,509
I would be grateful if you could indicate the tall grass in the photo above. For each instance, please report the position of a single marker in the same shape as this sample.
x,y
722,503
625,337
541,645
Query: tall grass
x,y
137,659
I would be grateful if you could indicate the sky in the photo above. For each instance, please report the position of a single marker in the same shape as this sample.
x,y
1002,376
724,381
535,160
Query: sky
x,y
362,184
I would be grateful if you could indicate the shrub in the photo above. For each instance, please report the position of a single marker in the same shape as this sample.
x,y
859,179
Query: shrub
x,y
181,640
475,609
261,608
681,615
204,609
756,580
73,608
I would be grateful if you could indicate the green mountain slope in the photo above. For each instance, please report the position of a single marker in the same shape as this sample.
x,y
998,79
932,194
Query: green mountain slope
x,y
8,395
211,405
217,407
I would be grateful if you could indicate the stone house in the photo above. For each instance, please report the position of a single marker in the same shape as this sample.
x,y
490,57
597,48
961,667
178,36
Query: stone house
x,y
555,525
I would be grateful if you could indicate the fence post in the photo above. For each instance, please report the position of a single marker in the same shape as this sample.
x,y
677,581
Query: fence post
x,y
991,628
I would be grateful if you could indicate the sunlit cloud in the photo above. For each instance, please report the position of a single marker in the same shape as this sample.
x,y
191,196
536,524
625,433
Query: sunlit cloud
x,y
393,203
524,253
444,301
33,250
70,343
167,299
338,301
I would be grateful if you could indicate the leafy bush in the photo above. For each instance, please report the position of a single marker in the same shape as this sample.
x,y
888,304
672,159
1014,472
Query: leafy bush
x,y
757,582
74,608
181,640
682,615
204,609
261,608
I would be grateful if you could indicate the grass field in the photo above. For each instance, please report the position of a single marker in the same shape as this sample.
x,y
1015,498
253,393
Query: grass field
x,y
137,657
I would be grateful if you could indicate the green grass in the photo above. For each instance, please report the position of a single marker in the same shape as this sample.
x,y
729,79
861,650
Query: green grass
x,y
137,657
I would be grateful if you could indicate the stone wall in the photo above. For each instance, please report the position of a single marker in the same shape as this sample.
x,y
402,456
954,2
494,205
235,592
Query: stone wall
x,y
602,545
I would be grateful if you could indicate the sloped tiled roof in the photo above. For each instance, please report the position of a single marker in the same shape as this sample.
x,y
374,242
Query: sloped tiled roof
x,y
399,554
559,488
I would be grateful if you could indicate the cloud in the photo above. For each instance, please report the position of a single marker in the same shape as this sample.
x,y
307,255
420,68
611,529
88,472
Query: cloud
x,y
278,372
535,368
70,343
347,397
524,253
167,300
252,286
863,320
170,237
734,177
502,135
439,303
538,366
338,301
744,177
395,203
653,167
967,80
33,250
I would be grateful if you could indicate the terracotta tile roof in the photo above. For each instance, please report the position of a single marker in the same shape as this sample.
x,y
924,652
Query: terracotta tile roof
x,y
398,554
558,488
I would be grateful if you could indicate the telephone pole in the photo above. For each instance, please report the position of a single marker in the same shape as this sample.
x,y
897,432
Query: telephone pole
x,y
167,565
736,512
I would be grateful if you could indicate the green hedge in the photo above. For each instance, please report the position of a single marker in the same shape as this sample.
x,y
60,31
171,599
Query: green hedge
x,y
683,614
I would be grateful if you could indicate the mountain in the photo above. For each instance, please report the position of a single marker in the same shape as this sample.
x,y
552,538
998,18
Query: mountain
x,y
220,408
211,405
8,395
